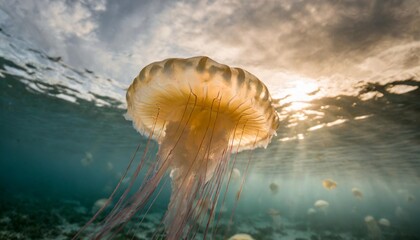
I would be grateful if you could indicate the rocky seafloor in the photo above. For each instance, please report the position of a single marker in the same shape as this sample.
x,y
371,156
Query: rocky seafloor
x,y
24,217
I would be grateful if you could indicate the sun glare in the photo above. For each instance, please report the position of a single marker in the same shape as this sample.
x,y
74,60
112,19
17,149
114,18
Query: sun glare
x,y
301,94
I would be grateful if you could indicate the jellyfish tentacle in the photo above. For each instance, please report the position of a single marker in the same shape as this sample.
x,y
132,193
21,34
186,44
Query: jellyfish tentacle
x,y
136,173
110,197
210,190
233,163
143,194
188,182
208,193
177,141
205,193
115,218
242,184
216,186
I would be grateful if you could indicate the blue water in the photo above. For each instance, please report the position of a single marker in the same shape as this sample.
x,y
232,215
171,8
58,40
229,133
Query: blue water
x,y
57,157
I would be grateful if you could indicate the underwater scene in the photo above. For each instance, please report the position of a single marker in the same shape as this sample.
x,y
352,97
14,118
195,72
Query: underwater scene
x,y
154,140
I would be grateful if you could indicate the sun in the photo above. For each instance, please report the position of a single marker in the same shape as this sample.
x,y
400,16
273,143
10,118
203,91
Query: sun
x,y
301,94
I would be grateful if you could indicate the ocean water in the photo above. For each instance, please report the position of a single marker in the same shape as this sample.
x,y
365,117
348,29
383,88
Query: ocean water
x,y
64,144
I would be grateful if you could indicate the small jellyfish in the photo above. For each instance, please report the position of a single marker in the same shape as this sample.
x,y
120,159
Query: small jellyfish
x,y
274,187
87,160
357,193
99,204
311,211
384,222
109,166
329,184
199,112
321,205
236,174
374,232
241,236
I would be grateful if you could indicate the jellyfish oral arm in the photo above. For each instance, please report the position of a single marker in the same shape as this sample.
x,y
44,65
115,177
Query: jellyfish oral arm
x,y
205,141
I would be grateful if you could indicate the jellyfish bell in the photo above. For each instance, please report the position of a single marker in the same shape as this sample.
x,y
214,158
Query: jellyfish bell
x,y
384,222
357,193
311,211
374,232
236,174
99,204
274,187
109,166
329,184
321,205
199,112
241,236
87,160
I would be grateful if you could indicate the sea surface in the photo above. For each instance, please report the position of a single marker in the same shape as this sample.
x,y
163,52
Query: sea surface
x,y
64,145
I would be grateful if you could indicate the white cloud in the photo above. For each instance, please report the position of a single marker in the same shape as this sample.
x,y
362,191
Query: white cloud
x,y
66,20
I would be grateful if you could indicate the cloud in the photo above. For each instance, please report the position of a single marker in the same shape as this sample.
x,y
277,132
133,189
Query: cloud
x,y
278,41
314,38
68,20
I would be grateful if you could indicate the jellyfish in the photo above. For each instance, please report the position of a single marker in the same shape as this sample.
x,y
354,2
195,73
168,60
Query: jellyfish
x,y
357,193
373,230
109,166
329,184
384,222
98,204
241,236
274,187
87,160
199,112
311,211
236,174
321,205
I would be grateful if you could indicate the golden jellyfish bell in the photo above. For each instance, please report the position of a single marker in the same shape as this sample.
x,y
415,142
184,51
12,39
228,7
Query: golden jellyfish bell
x,y
329,184
190,89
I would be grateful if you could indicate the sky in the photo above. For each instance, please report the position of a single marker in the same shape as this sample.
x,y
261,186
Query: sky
x,y
328,46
